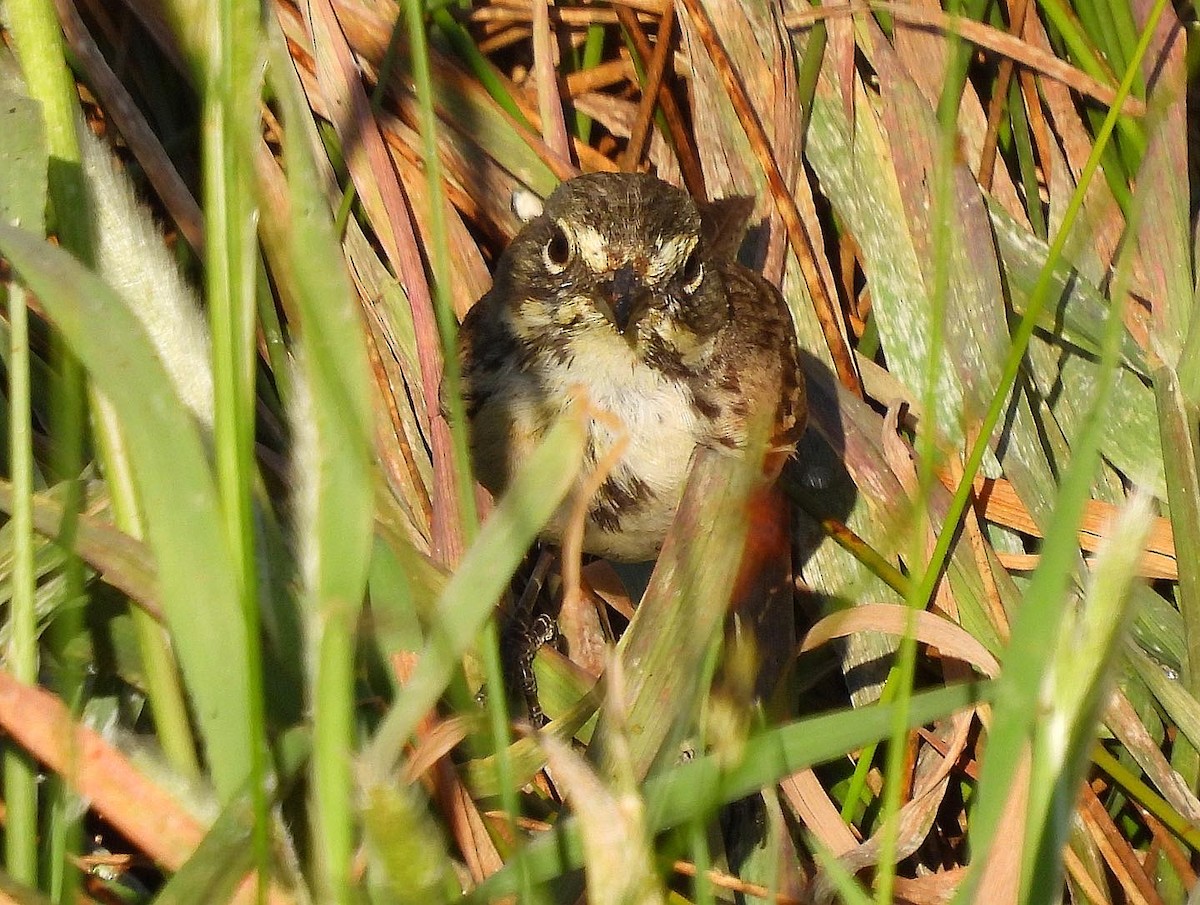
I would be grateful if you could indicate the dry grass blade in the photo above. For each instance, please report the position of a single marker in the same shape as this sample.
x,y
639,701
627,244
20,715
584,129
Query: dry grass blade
x,y
1164,227
983,553
1001,873
689,162
141,809
388,208
929,770
146,147
466,825
735,885
1119,856
811,803
650,90
1063,155
1017,11
605,75
825,306
841,52
1125,724
1078,872
569,15
1007,45
929,628
1001,505
934,889
1166,842
578,621
554,127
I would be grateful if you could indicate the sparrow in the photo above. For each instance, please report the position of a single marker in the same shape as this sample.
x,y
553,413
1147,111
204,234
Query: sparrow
x,y
626,293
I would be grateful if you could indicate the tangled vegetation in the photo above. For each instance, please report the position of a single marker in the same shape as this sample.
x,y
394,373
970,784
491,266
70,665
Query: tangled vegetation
x,y
251,593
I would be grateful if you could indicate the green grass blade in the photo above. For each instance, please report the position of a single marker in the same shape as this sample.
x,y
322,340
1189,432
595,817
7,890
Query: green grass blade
x,y
131,255
38,40
587,57
23,188
21,653
694,790
1147,797
1074,308
176,488
838,877
476,585
23,180
1178,422
1073,695
219,863
409,864
39,45
1181,708
439,253
464,45
230,89
20,894
333,481
1036,628
665,646
1023,333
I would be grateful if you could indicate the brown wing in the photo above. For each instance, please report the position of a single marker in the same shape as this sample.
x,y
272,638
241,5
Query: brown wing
x,y
487,352
762,357
757,366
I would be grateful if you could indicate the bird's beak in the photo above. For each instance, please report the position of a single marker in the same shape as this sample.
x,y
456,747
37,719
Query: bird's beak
x,y
623,292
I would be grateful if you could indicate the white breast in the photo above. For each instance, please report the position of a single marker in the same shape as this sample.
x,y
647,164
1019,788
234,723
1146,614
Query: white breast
x,y
655,412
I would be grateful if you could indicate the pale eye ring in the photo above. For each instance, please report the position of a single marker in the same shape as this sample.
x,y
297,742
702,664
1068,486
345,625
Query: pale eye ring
x,y
559,249
693,272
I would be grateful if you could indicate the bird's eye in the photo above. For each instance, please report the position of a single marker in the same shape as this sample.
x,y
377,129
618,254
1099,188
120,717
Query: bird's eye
x,y
557,251
693,272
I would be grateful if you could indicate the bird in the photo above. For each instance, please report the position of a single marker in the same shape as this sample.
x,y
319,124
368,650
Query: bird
x,y
625,292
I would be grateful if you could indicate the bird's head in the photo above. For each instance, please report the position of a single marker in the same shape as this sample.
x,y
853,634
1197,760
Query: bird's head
x,y
617,254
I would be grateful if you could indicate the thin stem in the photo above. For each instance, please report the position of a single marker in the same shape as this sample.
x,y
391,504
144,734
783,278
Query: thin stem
x,y
231,92
39,45
20,773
